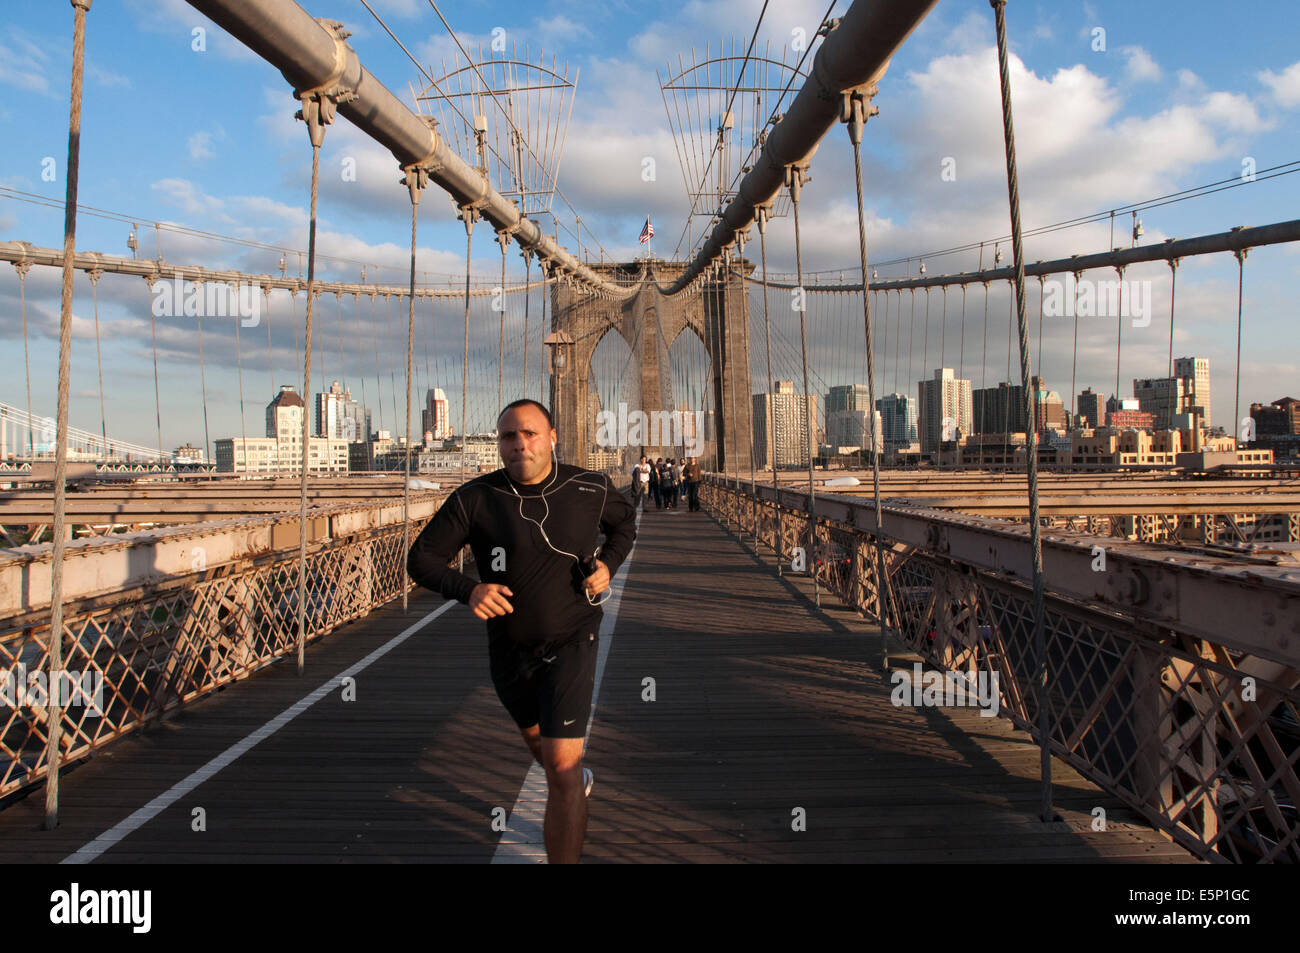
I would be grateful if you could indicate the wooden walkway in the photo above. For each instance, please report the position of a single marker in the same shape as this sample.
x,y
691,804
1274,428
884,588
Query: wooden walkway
x,y
763,705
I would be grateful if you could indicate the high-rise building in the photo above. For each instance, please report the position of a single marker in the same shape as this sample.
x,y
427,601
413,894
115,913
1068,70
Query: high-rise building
x,y
281,449
794,417
339,417
897,420
1127,414
847,397
284,414
852,428
1092,409
1164,398
1197,369
329,413
943,409
436,418
998,409
1049,409
1278,418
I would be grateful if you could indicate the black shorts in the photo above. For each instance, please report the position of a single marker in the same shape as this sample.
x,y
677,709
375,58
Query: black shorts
x,y
548,685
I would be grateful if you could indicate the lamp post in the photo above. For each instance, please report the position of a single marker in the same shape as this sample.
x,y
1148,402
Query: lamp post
x,y
559,352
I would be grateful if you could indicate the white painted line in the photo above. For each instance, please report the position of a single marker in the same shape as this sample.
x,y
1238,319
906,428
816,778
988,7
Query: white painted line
x,y
522,842
104,841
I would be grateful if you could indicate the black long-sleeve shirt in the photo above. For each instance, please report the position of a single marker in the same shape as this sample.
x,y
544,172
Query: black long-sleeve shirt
x,y
500,520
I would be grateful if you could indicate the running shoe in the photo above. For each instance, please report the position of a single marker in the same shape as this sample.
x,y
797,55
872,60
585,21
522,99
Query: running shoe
x,y
588,779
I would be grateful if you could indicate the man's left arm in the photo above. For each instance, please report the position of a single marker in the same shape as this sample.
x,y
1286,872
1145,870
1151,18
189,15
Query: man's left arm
x,y
618,523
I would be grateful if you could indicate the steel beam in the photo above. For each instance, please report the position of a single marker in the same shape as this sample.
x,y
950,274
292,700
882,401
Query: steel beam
x,y
310,57
155,270
1171,249
1246,607
108,564
855,54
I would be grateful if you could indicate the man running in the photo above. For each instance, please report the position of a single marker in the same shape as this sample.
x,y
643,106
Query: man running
x,y
533,528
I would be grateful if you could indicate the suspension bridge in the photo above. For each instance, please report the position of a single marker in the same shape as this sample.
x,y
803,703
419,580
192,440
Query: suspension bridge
x,y
1122,573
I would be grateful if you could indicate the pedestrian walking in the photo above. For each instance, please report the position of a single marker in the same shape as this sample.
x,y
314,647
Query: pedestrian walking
x,y
691,475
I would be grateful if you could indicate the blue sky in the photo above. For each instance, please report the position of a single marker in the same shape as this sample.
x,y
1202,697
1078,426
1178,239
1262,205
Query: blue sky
x,y
1181,95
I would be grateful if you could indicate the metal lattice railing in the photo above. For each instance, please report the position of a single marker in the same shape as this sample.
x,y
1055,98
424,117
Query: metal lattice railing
x,y
156,649
1200,739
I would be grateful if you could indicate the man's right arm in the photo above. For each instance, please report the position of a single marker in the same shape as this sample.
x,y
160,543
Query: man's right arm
x,y
436,546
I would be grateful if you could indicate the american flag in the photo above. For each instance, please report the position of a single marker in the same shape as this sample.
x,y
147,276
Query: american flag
x,y
647,231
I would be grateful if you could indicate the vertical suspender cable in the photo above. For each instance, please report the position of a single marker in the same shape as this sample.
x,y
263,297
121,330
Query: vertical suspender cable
x,y
1240,255
316,114
320,358
153,338
547,304
528,295
943,335
55,648
94,274
1006,413
416,178
239,363
729,375
379,382
203,386
961,343
468,214
23,267
1038,361
855,112
984,361
1173,289
925,360
794,181
388,345
361,361
753,476
1119,327
503,237
1013,192
338,321
760,218
270,352
1074,355
293,315
911,336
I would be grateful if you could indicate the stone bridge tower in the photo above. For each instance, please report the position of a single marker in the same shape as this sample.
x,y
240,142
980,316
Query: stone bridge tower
x,y
649,323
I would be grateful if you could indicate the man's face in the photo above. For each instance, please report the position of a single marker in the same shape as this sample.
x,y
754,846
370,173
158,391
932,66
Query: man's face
x,y
524,440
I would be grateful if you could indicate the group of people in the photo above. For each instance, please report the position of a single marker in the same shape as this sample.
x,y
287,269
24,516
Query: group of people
x,y
666,481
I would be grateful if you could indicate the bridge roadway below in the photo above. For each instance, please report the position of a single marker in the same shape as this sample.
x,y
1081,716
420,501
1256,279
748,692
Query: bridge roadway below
x,y
764,704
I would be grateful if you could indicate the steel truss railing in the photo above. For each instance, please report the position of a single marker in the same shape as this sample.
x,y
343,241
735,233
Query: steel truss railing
x,y
160,646
1206,528
1201,737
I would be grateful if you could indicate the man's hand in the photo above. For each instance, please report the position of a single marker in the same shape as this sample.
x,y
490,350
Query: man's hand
x,y
489,599
598,581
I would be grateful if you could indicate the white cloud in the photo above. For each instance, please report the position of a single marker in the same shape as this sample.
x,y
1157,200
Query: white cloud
x,y
100,76
1285,85
200,146
177,20
1140,67
23,64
